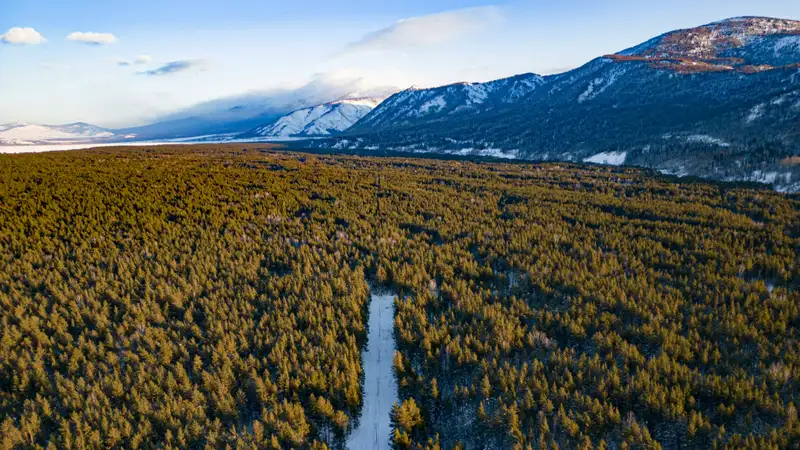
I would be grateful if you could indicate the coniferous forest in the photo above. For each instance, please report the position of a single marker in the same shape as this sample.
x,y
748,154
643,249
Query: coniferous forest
x,y
216,297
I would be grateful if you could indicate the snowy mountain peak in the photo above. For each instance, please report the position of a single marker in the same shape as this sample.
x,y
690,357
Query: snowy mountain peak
x,y
321,120
8,126
362,101
742,44
20,133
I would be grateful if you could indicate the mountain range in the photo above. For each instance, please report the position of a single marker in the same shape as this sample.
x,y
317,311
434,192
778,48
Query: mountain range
x,y
245,113
720,101
19,133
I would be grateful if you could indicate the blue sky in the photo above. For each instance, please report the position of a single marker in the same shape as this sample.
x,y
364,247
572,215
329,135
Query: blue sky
x,y
152,57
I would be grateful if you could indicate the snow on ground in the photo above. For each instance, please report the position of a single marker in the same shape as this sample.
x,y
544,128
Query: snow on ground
x,y
490,152
679,172
62,147
522,87
608,158
755,113
763,177
437,104
209,139
203,138
788,43
380,386
706,139
599,85
485,152
476,93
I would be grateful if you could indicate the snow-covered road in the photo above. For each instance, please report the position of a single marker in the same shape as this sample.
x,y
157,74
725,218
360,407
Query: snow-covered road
x,y
380,387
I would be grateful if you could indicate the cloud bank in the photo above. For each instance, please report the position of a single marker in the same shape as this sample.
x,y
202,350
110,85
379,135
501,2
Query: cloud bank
x,y
429,30
172,68
92,38
22,35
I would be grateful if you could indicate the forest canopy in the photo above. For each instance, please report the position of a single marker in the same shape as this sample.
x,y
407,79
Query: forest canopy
x,y
216,297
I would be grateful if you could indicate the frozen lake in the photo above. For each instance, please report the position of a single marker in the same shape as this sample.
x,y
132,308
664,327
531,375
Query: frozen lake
x,y
380,386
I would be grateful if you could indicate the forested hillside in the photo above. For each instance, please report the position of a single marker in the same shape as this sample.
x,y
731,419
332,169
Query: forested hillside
x,y
216,297
720,101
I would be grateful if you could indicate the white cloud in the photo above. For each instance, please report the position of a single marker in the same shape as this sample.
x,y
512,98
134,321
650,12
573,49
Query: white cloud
x,y
123,62
92,38
429,30
24,35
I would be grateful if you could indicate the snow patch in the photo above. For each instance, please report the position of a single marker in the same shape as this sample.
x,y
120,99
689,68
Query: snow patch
x,y
489,152
679,172
764,177
476,93
706,139
755,113
344,143
63,147
438,103
608,158
788,43
599,85
521,88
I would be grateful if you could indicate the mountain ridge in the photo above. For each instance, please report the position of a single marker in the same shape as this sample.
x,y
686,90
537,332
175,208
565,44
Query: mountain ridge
x,y
673,111
436,103
23,133
319,120
243,113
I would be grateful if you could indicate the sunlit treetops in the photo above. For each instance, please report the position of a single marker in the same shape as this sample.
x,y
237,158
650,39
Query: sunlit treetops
x,y
216,296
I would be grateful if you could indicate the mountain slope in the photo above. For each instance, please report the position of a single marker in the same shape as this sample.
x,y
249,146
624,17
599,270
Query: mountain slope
x,y
414,106
26,133
720,101
243,113
321,120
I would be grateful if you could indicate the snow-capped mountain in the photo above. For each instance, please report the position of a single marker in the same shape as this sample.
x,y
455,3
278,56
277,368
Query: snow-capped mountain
x,y
414,105
243,113
321,120
26,133
720,101
741,44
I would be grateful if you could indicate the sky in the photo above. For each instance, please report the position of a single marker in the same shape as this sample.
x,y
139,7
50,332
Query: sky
x,y
123,63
